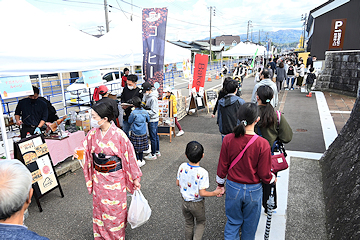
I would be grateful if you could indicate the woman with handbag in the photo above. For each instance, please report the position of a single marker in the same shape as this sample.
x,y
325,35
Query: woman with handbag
x,y
245,161
272,126
110,169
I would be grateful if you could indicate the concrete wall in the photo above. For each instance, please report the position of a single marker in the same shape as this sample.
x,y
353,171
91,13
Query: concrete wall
x,y
341,73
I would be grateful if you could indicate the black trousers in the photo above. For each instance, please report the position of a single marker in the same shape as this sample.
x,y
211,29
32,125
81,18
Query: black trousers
x,y
26,129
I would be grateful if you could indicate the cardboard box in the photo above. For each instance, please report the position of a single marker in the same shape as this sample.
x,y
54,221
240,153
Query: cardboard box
x,y
85,125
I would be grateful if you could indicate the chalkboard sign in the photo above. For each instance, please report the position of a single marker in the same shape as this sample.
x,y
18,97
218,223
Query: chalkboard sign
x,y
34,153
211,98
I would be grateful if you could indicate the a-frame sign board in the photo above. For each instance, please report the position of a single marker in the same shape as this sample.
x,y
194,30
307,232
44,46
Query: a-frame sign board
x,y
197,102
34,153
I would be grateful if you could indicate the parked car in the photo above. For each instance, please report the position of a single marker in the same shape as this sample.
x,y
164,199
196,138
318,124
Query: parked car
x,y
77,93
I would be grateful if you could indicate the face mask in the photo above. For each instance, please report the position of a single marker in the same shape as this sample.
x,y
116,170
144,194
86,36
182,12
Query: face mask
x,y
94,123
130,87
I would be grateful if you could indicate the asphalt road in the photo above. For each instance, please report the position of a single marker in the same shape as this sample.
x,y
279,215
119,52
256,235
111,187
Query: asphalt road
x,y
71,217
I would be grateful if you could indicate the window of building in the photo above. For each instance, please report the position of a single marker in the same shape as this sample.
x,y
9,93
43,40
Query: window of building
x,y
222,43
234,43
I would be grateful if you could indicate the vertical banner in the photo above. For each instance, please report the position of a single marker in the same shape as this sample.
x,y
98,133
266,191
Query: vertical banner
x,y
253,60
154,29
337,34
200,67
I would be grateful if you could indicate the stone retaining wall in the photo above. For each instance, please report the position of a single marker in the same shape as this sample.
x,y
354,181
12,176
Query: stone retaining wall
x,y
341,73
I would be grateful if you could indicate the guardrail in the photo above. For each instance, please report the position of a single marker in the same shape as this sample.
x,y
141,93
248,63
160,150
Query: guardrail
x,y
52,91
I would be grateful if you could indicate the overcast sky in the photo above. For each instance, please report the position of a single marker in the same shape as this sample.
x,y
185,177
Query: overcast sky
x,y
187,19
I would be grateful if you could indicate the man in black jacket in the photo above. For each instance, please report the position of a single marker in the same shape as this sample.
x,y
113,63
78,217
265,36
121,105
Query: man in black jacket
x,y
33,113
130,90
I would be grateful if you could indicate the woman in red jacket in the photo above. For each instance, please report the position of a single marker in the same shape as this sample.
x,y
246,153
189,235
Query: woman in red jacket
x,y
243,185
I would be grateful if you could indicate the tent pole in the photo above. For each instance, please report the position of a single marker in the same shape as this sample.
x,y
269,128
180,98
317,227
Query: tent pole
x,y
4,135
63,93
40,85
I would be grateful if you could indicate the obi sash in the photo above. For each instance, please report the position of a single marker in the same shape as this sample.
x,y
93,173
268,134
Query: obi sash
x,y
106,164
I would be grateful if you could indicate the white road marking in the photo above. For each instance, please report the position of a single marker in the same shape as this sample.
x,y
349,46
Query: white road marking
x,y
327,123
346,112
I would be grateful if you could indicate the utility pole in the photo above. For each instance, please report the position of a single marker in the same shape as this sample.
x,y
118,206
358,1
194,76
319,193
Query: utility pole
x,y
210,31
131,11
304,18
106,16
247,33
211,7
251,31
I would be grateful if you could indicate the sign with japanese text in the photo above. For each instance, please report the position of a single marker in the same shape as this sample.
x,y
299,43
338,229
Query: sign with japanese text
x,y
34,153
92,78
337,34
200,67
154,29
12,87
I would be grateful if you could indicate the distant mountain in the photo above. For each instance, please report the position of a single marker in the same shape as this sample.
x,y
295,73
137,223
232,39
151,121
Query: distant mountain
x,y
280,37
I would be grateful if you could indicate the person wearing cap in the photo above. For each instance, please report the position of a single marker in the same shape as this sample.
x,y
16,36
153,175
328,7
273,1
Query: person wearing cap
x,y
104,92
152,107
124,78
130,91
170,96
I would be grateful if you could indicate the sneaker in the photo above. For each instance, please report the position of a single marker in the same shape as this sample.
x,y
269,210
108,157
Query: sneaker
x,y
286,89
181,132
292,89
150,157
149,149
158,154
140,163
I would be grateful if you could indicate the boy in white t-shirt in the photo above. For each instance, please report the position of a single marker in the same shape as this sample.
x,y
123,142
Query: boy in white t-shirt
x,y
193,181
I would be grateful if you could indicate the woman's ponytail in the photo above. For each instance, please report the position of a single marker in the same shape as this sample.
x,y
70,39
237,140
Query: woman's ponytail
x,y
267,115
247,115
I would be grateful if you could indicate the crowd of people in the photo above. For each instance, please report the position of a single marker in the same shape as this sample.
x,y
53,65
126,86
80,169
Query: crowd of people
x,y
113,155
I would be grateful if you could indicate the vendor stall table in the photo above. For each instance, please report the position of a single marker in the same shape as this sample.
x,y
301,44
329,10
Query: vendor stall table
x,y
62,149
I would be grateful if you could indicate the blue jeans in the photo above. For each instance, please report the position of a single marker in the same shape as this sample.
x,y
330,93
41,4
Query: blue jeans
x,y
243,208
154,137
126,127
292,82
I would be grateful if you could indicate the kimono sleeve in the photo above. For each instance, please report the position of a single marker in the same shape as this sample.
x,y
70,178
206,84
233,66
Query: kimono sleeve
x,y
131,169
88,167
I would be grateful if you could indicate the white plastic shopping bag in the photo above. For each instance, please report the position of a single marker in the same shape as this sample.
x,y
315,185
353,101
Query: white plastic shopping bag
x,y
139,210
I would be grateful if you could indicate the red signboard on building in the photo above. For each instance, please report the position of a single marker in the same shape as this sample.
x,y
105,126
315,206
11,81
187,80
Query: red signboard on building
x,y
200,71
338,27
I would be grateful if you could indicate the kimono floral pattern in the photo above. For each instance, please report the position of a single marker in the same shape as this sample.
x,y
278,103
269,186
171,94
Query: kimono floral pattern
x,y
109,189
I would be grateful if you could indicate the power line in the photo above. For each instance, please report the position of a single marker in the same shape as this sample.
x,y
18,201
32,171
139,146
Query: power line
x,y
121,9
83,2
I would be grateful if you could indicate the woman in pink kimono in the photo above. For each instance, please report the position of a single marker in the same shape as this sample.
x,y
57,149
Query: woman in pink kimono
x,y
110,170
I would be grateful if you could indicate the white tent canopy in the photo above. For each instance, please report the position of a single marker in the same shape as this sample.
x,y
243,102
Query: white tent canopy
x,y
34,44
119,40
245,49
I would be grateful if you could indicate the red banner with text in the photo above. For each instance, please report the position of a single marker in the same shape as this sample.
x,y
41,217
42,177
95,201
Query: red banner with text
x,y
200,67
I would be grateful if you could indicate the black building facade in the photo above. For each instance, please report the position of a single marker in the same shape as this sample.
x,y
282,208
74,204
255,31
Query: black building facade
x,y
321,31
